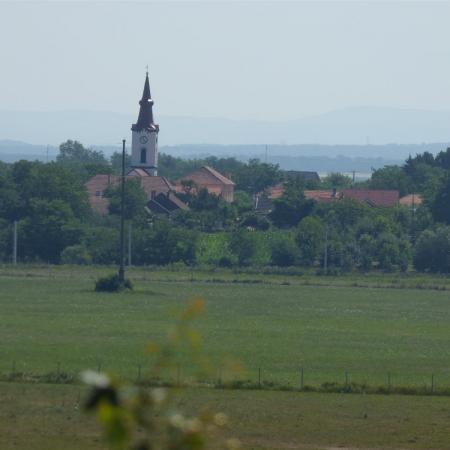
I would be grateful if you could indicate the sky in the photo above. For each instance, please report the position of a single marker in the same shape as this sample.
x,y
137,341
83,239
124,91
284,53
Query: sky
x,y
241,60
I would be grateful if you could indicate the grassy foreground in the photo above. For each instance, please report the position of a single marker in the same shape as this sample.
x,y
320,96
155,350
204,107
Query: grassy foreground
x,y
53,321
36,417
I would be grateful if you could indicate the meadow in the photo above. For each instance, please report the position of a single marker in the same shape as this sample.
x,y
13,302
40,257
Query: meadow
x,y
374,330
365,328
51,417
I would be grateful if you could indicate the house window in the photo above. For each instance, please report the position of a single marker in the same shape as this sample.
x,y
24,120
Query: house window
x,y
98,193
143,155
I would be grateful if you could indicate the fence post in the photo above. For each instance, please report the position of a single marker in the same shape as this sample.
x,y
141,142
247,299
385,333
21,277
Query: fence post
x,y
432,383
259,377
58,368
139,373
220,377
346,379
389,381
301,378
14,367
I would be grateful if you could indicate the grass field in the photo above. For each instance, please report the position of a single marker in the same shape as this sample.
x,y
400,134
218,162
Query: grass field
x,y
51,320
51,317
50,417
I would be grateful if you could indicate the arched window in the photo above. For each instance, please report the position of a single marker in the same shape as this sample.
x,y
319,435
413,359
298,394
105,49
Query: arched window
x,y
143,155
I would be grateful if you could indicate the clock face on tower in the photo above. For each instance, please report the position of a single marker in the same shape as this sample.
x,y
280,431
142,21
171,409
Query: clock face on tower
x,y
143,139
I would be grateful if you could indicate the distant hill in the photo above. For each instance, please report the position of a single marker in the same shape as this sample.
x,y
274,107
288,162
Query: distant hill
x,y
352,126
321,158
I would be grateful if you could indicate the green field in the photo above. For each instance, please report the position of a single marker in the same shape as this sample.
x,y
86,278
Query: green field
x,y
52,318
50,417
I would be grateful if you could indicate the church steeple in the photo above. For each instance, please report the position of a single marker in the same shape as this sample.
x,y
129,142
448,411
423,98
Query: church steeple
x,y
144,142
145,119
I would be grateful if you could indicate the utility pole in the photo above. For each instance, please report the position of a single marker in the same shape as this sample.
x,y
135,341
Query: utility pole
x,y
15,243
122,219
353,177
129,242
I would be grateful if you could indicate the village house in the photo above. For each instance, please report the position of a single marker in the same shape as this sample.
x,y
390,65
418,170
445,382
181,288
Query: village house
x,y
208,178
372,197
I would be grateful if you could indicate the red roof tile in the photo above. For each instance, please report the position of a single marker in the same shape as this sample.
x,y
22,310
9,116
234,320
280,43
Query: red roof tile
x,y
373,197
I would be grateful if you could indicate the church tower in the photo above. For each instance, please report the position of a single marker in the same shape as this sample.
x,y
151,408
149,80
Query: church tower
x,y
144,139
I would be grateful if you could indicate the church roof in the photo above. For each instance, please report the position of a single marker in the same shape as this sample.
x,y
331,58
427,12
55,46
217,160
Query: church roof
x,y
145,119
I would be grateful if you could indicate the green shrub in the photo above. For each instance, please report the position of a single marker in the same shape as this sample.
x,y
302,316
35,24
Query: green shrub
x,y
284,253
76,254
111,283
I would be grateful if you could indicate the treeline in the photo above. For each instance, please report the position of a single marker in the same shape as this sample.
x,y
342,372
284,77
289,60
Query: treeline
x,y
56,223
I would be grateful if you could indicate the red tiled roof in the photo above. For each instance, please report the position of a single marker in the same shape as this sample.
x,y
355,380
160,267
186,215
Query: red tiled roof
x,y
411,200
318,195
206,176
373,197
276,191
99,183
322,195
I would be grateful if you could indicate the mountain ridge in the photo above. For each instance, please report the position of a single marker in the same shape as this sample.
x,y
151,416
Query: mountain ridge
x,y
348,126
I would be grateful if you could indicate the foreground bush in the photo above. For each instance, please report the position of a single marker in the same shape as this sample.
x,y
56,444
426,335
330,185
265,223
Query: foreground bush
x,y
111,283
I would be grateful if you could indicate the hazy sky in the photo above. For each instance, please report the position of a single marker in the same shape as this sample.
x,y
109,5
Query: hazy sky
x,y
254,60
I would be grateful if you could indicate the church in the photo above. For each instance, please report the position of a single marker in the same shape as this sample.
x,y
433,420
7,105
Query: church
x,y
144,166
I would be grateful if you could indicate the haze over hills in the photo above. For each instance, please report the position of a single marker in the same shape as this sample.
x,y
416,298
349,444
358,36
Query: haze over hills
x,y
358,139
352,126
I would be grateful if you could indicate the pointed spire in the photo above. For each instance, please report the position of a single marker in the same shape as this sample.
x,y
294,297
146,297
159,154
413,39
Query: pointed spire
x,y
145,118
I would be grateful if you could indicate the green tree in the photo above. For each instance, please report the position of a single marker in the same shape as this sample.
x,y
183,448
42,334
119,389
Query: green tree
x,y
116,162
292,206
76,254
391,178
336,180
50,227
135,199
310,240
256,176
440,202
284,252
102,244
74,152
242,244
165,244
432,251
34,180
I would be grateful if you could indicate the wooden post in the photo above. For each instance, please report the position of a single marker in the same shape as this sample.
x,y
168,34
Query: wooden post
x,y
432,383
346,379
122,218
259,377
389,381
129,242
301,378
